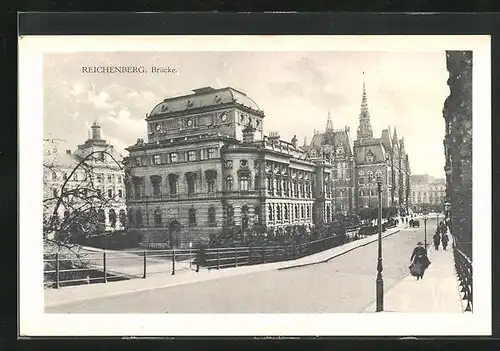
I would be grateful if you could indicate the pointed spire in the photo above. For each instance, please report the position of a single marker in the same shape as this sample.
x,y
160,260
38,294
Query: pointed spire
x,y
305,141
364,101
329,123
364,129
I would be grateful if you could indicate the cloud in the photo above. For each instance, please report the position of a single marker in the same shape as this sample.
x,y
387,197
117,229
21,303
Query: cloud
x,y
101,100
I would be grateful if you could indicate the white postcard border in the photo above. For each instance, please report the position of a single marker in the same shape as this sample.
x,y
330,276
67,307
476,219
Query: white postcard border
x,y
33,320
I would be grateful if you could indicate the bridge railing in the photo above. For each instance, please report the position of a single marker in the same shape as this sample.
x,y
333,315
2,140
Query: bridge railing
x,y
463,268
91,265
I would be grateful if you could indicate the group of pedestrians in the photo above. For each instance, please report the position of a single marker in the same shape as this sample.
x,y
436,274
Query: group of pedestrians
x,y
419,260
441,236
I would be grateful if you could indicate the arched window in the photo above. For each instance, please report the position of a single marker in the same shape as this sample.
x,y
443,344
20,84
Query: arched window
x,y
172,183
258,214
270,209
211,216
191,183
229,183
210,176
156,185
244,217
192,217
278,212
229,214
244,183
296,216
137,187
122,216
112,218
285,211
308,212
302,212
157,217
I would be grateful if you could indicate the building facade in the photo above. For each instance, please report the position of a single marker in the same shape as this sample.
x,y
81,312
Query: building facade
x,y
207,165
457,113
335,147
90,178
427,193
381,158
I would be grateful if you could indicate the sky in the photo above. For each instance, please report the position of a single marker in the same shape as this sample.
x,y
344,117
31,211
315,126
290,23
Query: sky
x,y
296,90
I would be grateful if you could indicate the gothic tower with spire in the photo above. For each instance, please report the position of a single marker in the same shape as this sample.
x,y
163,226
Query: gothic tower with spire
x,y
329,123
364,128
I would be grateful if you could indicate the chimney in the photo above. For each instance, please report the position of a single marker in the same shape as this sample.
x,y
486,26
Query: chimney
x,y
68,152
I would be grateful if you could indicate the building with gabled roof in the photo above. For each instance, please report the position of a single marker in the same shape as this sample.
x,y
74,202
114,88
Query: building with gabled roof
x,y
381,158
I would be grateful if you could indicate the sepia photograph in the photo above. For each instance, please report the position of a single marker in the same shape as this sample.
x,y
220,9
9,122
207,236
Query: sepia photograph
x,y
264,177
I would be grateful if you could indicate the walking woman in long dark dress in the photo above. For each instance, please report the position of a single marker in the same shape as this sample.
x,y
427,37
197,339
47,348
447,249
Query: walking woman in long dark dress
x,y
419,261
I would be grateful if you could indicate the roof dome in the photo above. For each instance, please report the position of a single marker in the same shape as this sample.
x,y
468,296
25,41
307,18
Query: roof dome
x,y
204,97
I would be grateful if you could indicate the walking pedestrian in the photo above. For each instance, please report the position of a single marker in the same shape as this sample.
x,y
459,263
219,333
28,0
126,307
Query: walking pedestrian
x,y
419,261
437,240
444,240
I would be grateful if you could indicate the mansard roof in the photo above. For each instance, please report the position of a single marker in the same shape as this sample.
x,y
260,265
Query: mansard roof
x,y
204,97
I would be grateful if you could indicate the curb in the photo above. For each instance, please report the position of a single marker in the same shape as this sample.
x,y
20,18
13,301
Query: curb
x,y
337,254
196,280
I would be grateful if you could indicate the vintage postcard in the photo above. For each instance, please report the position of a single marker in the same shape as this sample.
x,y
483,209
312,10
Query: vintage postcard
x,y
254,185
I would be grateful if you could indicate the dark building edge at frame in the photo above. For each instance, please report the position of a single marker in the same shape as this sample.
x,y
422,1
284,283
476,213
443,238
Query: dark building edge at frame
x,y
457,113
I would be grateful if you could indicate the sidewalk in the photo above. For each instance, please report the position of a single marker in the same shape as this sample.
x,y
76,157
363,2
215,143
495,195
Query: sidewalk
x,y
163,280
436,293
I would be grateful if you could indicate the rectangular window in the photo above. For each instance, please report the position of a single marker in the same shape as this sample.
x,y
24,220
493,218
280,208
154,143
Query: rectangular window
x,y
156,159
120,193
138,161
110,193
54,192
99,177
173,157
191,156
211,153
109,178
203,154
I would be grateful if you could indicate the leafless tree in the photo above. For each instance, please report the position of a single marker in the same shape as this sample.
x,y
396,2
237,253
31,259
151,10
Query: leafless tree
x,y
78,196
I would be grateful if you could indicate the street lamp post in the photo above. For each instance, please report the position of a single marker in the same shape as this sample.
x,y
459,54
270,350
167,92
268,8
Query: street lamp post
x,y
369,200
380,281
425,231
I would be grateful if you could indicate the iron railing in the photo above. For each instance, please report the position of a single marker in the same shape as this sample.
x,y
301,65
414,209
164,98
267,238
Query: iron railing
x,y
91,265
463,267
87,267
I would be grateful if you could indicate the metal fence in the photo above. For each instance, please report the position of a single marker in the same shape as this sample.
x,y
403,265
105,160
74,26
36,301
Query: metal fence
x,y
90,266
463,267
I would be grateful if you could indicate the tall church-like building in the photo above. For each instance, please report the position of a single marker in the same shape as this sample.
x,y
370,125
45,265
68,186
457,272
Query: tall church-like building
x,y
335,146
381,158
